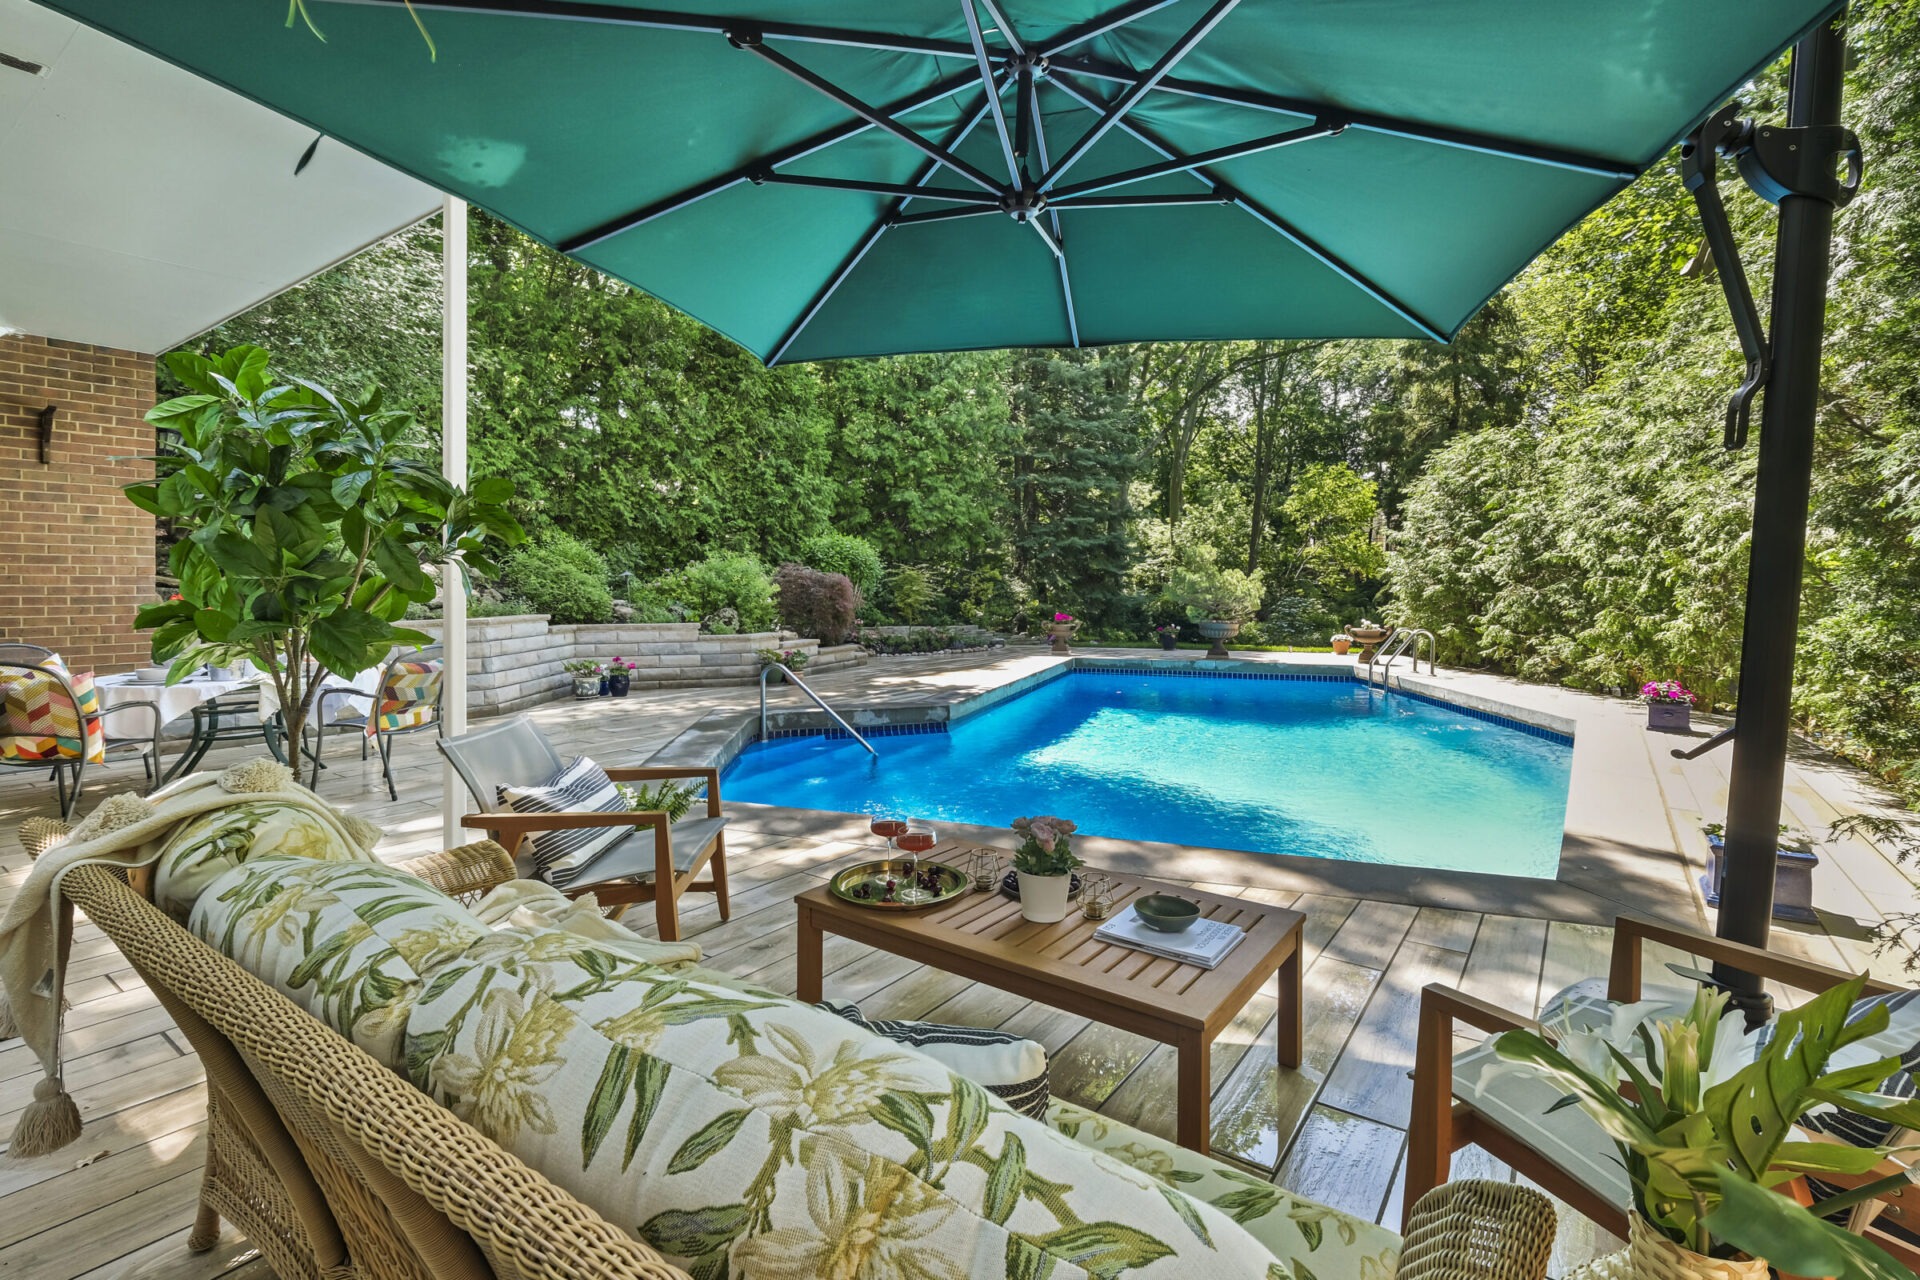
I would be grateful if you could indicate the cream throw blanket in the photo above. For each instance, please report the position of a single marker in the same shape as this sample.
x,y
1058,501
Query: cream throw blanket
x,y
37,930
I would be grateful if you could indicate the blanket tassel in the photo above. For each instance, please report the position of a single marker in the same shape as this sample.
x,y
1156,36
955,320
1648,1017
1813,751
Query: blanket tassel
x,y
50,1122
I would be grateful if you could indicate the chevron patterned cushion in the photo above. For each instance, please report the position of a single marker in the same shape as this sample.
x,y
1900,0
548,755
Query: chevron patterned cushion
x,y
406,697
44,723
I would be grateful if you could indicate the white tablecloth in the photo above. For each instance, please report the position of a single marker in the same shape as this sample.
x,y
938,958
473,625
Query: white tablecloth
x,y
367,682
174,701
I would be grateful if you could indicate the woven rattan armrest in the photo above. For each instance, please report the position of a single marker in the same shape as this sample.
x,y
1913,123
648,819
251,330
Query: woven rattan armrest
x,y
469,869
1476,1230
1631,934
37,835
662,772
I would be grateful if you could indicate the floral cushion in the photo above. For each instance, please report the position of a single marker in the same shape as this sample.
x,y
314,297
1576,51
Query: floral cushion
x,y
202,848
738,1133
43,722
1309,1239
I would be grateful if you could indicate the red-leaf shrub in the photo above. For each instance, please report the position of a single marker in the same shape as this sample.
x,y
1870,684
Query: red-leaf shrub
x,y
812,603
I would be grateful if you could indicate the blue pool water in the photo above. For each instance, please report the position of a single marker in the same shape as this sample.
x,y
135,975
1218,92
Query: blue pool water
x,y
1320,768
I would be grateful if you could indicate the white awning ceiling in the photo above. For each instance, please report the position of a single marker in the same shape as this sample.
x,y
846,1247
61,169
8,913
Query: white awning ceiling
x,y
141,205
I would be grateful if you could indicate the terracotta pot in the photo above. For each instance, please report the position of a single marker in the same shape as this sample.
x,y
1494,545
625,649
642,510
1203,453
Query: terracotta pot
x,y
1341,644
1654,1257
1043,899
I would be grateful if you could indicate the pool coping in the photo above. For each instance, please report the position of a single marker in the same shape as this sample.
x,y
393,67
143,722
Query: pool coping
x,y
1599,875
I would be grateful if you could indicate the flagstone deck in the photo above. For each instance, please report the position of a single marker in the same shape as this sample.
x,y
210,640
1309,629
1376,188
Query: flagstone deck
x,y
118,1202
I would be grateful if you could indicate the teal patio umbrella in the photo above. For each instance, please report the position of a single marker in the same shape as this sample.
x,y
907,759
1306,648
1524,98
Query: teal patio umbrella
x,y
866,177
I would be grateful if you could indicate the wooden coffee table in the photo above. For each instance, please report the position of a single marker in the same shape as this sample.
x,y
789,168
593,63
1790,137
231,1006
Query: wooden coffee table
x,y
983,937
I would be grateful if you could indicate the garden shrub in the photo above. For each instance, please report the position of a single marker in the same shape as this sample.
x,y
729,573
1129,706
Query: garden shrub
x,y
909,591
817,604
733,581
562,577
844,553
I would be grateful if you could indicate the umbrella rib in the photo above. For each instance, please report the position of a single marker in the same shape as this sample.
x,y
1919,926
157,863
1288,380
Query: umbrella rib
x,y
885,220
1007,32
911,191
1271,220
1219,195
1131,95
1371,122
786,155
1066,280
664,20
937,215
750,41
993,96
1182,164
1112,20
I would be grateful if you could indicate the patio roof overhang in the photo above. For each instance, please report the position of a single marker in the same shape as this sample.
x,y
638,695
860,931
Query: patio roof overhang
x,y
141,205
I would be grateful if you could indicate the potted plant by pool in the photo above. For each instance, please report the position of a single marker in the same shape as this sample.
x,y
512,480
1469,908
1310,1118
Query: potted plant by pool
x,y
1168,634
1369,635
1704,1117
620,677
1060,630
794,660
1340,641
586,677
1794,861
1669,706
1044,863
1218,601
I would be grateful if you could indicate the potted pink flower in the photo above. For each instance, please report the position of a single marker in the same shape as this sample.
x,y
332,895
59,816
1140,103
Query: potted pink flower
x,y
620,676
1044,863
1669,706
1060,630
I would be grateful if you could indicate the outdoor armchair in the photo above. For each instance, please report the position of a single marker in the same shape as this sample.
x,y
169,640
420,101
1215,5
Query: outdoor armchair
x,y
658,862
406,700
1458,1101
51,718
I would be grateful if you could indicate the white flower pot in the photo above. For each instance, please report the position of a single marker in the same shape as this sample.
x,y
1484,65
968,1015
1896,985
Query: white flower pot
x,y
1043,899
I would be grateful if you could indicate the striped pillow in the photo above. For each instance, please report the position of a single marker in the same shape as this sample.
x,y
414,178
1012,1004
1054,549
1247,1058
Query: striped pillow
x,y
1009,1067
581,786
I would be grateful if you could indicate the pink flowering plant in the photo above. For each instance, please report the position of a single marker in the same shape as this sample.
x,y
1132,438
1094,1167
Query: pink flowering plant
x,y
1666,691
1044,850
621,666
1063,619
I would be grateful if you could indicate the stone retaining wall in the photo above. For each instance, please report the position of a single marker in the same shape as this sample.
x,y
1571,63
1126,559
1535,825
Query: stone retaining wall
x,y
516,662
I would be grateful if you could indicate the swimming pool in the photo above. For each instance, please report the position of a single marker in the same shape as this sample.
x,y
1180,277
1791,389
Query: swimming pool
x,y
1317,767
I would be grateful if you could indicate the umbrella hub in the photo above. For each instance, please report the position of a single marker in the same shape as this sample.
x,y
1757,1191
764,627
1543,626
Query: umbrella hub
x,y
1024,202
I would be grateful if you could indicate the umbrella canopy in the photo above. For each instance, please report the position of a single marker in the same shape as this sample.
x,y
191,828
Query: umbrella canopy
x,y
863,177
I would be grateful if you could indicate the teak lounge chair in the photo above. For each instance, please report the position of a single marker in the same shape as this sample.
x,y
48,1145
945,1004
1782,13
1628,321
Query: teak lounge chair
x,y
660,861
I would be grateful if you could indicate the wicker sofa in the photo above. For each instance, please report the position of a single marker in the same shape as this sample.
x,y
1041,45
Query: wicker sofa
x,y
334,1165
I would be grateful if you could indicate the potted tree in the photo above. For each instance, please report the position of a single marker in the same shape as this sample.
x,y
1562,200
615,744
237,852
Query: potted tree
x,y
1669,706
1218,601
1704,1118
1044,862
306,520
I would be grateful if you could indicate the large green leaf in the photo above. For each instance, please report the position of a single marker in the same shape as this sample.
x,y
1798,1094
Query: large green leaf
x,y
1004,1180
1766,1224
1103,1249
693,1233
711,1139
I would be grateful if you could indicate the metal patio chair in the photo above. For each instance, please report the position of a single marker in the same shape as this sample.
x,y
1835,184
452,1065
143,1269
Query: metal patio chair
x,y
25,735
659,861
407,701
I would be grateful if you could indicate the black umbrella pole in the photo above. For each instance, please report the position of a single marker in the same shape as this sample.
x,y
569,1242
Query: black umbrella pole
x,y
1778,558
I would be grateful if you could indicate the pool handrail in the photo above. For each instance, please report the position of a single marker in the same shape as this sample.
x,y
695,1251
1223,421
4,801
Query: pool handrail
x,y
1396,646
802,685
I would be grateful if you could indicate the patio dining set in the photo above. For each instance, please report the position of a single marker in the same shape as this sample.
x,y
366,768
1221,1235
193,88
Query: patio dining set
x,y
63,720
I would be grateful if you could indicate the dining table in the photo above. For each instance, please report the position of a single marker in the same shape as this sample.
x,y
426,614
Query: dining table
x,y
171,702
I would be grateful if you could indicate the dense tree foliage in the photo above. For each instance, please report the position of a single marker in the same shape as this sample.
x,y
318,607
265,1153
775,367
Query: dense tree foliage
x,y
1548,493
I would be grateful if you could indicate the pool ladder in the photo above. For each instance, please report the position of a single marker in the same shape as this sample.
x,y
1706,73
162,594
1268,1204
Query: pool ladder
x,y
801,685
1397,645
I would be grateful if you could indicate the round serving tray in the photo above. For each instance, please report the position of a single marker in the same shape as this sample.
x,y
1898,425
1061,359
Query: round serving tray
x,y
873,876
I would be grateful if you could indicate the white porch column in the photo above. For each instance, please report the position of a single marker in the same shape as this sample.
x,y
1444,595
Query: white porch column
x,y
453,464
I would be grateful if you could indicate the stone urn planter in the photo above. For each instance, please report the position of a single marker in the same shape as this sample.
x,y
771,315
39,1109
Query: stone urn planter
x,y
1219,632
1369,639
1058,634
1792,876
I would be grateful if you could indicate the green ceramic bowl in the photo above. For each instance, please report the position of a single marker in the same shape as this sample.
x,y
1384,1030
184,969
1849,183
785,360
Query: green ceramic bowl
x,y
1166,913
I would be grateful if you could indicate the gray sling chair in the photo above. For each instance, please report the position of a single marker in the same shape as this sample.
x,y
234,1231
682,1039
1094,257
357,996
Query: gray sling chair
x,y
657,862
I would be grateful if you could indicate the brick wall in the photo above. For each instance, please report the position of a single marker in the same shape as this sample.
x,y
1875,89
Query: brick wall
x,y
76,558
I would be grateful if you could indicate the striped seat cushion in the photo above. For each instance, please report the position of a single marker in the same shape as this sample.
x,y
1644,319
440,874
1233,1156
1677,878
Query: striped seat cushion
x,y
1009,1067
581,786
44,723
407,696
